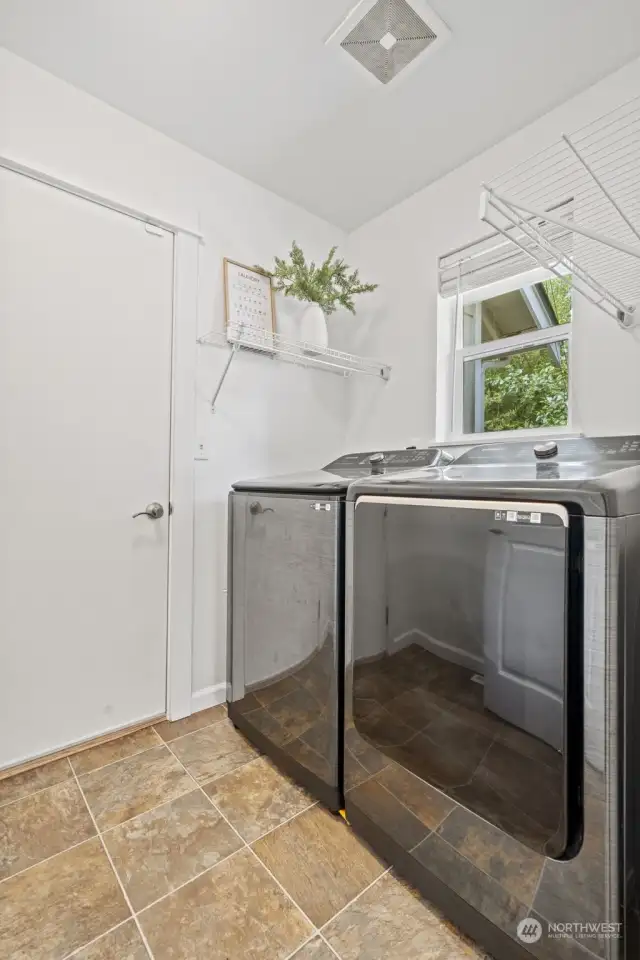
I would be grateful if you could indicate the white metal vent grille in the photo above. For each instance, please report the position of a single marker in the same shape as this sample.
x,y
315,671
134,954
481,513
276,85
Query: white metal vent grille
x,y
388,38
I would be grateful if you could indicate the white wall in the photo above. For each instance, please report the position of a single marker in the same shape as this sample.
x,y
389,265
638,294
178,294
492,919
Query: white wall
x,y
399,250
272,417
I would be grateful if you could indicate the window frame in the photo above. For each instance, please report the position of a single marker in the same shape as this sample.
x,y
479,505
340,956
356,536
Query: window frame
x,y
452,354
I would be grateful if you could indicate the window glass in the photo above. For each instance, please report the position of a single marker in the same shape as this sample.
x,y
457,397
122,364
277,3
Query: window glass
x,y
515,391
533,307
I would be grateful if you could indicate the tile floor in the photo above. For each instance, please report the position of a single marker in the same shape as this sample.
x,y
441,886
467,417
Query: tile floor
x,y
181,842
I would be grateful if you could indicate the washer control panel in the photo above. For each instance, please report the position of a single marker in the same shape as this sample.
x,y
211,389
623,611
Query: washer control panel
x,y
378,461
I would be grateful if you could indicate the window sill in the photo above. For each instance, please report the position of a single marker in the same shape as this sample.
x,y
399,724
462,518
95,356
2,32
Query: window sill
x,y
536,433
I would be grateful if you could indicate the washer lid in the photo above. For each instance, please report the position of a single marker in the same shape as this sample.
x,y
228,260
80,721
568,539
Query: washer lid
x,y
337,475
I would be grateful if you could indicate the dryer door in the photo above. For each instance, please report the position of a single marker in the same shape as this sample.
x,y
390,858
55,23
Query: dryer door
x,y
459,677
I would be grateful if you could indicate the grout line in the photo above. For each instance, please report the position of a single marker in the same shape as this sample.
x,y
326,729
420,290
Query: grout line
x,y
164,803
285,891
244,846
222,775
429,830
213,723
46,859
78,950
190,880
116,874
530,906
291,955
247,846
111,763
332,949
205,794
314,803
316,930
351,902
369,776
34,793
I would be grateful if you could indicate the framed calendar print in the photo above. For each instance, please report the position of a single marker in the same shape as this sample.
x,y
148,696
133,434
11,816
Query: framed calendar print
x,y
249,302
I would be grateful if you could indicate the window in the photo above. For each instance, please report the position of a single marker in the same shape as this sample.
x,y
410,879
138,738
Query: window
x,y
511,358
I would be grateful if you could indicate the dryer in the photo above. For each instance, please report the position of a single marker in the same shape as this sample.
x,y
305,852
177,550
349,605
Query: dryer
x,y
492,694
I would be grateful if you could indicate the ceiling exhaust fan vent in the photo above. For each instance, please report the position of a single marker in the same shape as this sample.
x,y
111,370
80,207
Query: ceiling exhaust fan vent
x,y
389,36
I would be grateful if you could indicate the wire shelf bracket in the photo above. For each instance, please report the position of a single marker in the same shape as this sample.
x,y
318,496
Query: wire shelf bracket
x,y
240,336
575,207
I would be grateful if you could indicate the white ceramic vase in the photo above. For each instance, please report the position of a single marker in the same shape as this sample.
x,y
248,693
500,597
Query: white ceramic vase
x,y
313,327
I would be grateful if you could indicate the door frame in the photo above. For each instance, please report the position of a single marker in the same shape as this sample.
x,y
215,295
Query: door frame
x,y
182,434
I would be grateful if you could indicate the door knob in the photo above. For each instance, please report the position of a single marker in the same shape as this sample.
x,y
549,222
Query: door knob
x,y
152,510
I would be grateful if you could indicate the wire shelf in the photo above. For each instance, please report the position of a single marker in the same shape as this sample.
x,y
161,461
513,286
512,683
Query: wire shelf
x,y
240,336
587,185
496,257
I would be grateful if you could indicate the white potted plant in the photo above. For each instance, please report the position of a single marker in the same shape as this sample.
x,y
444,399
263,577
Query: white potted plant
x,y
325,288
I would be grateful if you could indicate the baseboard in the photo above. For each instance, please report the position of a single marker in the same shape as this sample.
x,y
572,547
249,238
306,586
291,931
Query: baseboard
x,y
404,640
451,653
69,751
208,697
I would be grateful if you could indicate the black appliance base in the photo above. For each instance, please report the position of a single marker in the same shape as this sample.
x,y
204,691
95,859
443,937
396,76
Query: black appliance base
x,y
497,943
328,794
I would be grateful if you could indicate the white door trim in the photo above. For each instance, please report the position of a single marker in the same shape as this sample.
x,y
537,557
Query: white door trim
x,y
85,194
181,484
182,439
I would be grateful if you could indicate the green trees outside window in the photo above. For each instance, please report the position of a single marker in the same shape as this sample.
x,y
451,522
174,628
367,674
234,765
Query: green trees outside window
x,y
531,388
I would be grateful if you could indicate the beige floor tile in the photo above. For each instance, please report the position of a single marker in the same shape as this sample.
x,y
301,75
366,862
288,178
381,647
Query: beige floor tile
x,y
105,753
162,849
389,920
316,949
233,912
257,798
60,905
214,751
23,784
319,861
123,943
130,787
169,730
42,825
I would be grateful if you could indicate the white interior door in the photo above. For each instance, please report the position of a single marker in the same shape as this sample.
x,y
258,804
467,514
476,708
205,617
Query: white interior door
x,y
85,386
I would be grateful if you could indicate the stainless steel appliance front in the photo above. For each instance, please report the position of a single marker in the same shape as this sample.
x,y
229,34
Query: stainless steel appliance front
x,y
285,632
482,747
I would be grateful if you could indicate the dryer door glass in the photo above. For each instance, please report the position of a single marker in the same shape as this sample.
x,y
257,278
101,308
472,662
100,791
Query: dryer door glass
x,y
458,658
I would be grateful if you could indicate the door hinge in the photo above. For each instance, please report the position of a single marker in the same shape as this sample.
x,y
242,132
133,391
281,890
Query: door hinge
x,y
386,615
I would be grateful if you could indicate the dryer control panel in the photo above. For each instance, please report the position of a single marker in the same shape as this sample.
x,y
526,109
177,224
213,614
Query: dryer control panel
x,y
574,450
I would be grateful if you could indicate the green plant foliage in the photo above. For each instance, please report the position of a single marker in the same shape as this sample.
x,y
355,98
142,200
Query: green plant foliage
x,y
531,389
330,285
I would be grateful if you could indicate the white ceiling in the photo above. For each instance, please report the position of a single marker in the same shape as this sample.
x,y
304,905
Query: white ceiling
x,y
251,84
